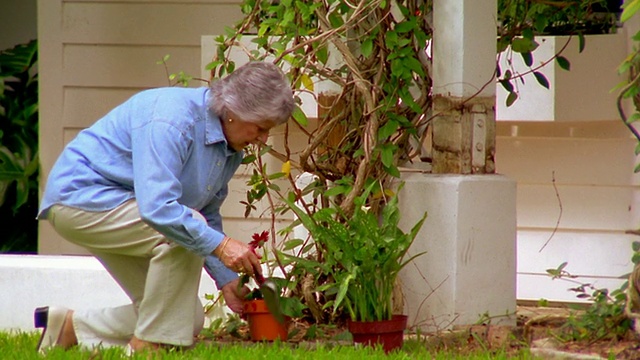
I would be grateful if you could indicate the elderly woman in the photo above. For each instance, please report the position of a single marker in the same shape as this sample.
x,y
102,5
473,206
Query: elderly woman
x,y
141,190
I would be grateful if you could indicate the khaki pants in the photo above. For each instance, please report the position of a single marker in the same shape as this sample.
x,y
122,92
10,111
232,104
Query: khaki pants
x,y
160,277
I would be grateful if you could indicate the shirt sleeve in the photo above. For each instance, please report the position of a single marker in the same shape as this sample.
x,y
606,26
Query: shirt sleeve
x,y
159,151
212,265
221,274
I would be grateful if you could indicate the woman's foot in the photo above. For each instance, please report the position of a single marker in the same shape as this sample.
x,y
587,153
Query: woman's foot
x,y
137,345
58,327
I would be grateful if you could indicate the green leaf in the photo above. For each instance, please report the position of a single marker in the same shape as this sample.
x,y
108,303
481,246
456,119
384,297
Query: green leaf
x,y
563,62
388,129
342,292
511,98
393,171
299,116
506,84
581,42
414,64
391,39
635,246
633,118
542,80
292,244
405,26
277,175
387,155
527,57
630,8
367,47
523,45
336,190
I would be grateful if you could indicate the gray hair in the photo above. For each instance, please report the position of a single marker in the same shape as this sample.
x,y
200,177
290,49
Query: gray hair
x,y
254,92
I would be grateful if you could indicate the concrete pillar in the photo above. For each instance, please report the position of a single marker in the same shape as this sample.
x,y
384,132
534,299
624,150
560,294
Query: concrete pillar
x,y
468,273
469,268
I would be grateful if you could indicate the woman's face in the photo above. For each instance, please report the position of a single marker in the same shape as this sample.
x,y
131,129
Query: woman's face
x,y
241,133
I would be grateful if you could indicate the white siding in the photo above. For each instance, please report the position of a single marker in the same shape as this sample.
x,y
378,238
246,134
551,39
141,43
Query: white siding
x,y
579,177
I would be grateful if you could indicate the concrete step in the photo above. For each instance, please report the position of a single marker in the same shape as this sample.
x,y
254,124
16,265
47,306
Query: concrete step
x,y
76,282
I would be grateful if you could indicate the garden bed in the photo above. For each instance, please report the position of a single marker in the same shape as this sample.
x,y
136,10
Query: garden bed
x,y
538,328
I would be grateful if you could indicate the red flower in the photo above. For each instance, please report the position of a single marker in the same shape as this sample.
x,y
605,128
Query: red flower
x,y
259,239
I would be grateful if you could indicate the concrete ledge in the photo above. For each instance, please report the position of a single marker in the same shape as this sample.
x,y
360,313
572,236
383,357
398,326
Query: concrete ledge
x,y
76,282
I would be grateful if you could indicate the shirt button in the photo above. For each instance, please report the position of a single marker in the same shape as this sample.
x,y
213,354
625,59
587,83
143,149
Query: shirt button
x,y
218,163
208,187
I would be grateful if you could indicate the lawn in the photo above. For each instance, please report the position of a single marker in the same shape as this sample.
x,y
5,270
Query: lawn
x,y
21,346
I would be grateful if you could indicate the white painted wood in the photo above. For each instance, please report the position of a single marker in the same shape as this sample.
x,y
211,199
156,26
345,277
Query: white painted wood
x,y
581,94
573,160
583,251
537,287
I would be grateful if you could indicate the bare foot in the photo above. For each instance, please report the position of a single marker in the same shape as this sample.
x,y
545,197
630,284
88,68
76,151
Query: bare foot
x,y
68,337
141,345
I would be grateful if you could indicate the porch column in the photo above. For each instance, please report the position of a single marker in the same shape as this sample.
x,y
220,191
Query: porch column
x,y
469,270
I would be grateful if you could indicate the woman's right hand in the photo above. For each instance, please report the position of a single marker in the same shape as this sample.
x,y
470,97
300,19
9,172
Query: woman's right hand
x,y
238,256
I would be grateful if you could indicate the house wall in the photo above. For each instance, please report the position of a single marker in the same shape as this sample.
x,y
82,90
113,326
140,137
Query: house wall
x,y
577,195
575,176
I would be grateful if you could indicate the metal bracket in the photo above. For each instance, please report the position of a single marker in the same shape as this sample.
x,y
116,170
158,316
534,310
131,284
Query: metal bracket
x,y
479,136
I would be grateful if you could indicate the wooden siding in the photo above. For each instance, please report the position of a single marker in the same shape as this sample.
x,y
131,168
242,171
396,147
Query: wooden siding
x,y
577,194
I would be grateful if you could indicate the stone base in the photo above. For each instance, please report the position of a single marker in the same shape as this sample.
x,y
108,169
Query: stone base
x,y
468,273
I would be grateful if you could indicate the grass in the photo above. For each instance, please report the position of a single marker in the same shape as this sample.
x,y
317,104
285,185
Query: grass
x,y
21,346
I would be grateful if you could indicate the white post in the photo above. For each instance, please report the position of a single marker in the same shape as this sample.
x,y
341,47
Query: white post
x,y
469,271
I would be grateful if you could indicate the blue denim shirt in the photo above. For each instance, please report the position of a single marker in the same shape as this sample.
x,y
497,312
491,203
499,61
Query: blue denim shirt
x,y
164,148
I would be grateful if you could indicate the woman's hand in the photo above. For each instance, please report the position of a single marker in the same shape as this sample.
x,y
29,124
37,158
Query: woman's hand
x,y
238,256
234,296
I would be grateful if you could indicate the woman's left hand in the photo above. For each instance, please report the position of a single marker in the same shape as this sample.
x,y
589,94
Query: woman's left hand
x,y
233,296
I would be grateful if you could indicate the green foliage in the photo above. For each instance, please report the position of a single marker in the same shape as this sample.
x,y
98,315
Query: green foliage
x,y
373,54
360,256
19,165
522,20
605,317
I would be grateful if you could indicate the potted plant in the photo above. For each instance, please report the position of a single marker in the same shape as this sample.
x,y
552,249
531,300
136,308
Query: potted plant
x,y
360,257
267,313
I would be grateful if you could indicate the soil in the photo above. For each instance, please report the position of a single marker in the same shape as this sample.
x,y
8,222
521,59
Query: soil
x,y
537,328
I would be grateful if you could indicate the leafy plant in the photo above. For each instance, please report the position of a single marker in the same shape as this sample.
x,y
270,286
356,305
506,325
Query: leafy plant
x,y
19,165
605,317
360,256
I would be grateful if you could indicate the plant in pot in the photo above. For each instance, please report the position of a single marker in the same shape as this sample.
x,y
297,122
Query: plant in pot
x,y
360,256
267,312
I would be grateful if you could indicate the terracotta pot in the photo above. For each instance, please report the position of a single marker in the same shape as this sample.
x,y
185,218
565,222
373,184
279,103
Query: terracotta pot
x,y
262,325
388,333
